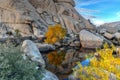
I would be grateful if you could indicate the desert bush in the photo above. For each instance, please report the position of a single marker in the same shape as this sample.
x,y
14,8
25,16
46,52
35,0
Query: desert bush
x,y
55,33
14,67
56,58
101,66
17,33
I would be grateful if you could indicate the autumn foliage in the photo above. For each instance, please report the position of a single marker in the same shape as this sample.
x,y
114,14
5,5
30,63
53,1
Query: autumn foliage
x,y
56,58
101,66
54,34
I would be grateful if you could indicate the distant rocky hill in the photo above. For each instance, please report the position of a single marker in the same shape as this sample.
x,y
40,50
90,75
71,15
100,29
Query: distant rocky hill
x,y
110,27
110,31
32,17
113,24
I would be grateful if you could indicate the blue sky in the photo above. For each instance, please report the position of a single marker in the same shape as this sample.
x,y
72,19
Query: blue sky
x,y
99,11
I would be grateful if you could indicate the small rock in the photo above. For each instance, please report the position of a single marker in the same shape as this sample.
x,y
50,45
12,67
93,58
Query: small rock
x,y
75,44
62,49
41,37
55,19
112,77
117,51
57,44
71,77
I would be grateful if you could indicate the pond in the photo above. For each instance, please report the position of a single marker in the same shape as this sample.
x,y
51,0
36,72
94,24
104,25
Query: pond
x,y
61,62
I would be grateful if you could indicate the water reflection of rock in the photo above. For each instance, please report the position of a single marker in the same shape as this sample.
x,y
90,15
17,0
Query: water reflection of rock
x,y
71,57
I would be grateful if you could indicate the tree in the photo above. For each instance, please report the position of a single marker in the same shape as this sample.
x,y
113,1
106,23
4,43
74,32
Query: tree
x,y
55,33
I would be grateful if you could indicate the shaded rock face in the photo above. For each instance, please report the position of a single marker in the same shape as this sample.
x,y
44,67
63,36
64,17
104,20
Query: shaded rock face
x,y
90,40
32,17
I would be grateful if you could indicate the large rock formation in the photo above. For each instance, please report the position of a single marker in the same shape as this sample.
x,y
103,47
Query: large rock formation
x,y
32,17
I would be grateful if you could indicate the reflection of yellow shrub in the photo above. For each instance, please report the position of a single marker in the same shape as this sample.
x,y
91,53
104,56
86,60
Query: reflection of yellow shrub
x,y
100,66
56,58
54,34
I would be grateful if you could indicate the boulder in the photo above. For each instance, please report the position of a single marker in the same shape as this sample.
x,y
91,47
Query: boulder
x,y
108,35
49,76
117,35
90,40
32,52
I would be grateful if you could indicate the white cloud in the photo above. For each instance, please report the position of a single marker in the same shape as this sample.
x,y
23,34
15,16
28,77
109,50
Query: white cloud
x,y
87,10
89,2
97,22
88,16
87,13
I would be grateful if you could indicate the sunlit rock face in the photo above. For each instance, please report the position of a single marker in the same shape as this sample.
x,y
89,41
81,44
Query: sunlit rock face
x,y
90,40
32,17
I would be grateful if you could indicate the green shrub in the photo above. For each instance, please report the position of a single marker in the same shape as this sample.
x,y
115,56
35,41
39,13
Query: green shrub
x,y
18,35
14,67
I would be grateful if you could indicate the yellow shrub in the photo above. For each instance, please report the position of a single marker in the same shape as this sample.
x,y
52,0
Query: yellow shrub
x,y
101,66
54,34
